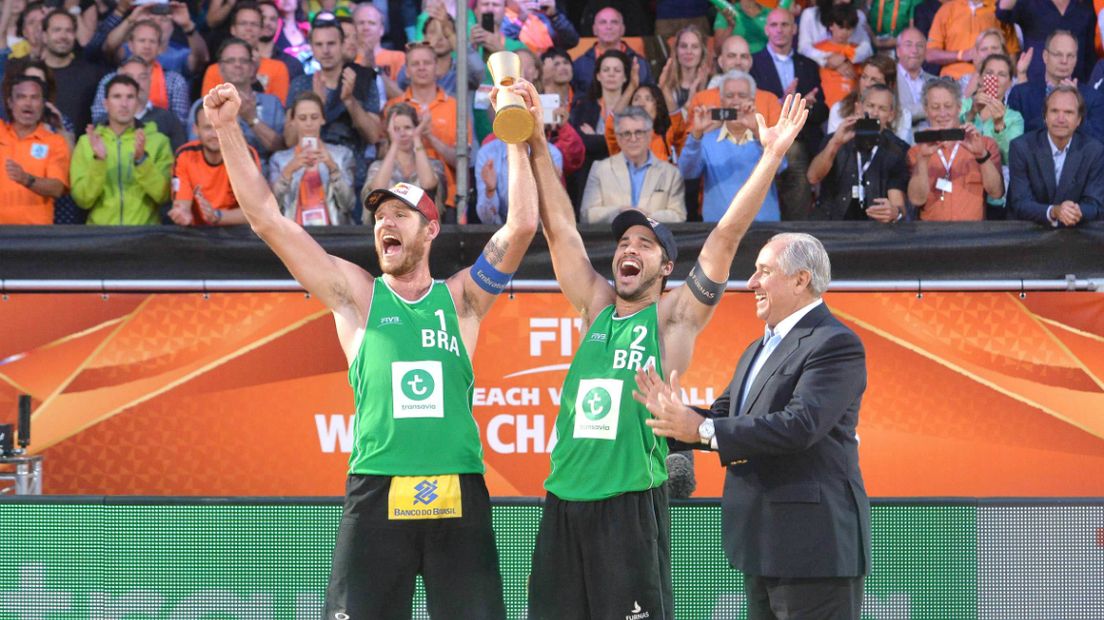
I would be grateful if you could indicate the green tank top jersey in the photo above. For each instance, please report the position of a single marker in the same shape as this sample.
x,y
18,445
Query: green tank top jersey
x,y
603,447
412,383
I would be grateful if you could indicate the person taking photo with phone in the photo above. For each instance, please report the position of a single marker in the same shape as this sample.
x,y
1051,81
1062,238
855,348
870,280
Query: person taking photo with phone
x,y
987,111
313,181
863,169
953,166
723,150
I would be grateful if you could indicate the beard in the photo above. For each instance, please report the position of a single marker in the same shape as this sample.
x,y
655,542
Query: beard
x,y
411,257
641,291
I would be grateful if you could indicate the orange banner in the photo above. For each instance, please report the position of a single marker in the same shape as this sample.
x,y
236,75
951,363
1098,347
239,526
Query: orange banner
x,y
970,394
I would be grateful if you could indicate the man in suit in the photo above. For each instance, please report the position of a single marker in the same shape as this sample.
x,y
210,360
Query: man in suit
x,y
796,518
633,178
1059,61
1057,173
780,70
911,77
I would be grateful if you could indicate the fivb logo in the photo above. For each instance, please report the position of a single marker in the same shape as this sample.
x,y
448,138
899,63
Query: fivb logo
x,y
426,492
553,330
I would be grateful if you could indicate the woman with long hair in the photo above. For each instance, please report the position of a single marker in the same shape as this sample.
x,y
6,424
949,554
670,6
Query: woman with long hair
x,y
313,180
688,68
879,69
614,82
405,160
668,129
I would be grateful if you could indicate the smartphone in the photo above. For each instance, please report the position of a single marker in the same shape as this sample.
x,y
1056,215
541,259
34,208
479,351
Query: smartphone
x,y
725,114
989,85
939,135
161,9
308,142
486,22
550,102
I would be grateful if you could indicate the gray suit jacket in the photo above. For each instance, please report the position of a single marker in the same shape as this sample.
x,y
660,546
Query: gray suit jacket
x,y
906,99
794,502
608,191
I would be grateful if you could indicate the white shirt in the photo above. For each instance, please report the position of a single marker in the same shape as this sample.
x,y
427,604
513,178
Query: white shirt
x,y
1059,156
784,327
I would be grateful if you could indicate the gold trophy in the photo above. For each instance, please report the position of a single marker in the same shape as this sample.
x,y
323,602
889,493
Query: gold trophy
x,y
513,124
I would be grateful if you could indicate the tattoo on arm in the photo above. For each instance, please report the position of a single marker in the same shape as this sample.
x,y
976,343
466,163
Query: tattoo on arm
x,y
496,250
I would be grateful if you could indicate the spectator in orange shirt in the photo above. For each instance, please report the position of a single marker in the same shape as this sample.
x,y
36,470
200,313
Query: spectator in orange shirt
x,y
36,160
427,97
839,81
268,44
954,32
735,54
950,180
202,195
245,24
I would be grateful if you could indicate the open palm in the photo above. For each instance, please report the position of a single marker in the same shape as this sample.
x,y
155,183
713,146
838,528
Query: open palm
x,y
777,139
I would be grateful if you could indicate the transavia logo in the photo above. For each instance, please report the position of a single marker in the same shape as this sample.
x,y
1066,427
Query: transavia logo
x,y
390,320
637,613
417,384
596,403
426,492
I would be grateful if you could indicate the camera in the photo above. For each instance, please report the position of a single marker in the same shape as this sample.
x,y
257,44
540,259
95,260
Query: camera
x,y
161,9
939,135
867,131
725,114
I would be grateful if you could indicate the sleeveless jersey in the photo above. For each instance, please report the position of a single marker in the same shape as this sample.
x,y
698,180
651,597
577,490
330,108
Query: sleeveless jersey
x,y
412,383
603,447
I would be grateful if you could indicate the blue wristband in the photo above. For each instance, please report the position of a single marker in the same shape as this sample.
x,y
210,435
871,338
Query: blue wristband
x,y
488,278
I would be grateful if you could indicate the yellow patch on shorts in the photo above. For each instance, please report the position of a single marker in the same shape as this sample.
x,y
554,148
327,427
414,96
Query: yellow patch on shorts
x,y
424,497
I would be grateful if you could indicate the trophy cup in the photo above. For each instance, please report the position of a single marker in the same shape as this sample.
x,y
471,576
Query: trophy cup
x,y
513,124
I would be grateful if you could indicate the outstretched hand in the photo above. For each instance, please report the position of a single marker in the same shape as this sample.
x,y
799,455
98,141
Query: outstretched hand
x,y
670,417
221,106
777,140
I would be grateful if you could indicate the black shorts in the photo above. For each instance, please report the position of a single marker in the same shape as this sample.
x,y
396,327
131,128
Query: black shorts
x,y
375,560
603,559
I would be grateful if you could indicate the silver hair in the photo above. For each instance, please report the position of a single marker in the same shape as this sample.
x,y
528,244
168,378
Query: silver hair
x,y
633,111
804,252
946,84
736,74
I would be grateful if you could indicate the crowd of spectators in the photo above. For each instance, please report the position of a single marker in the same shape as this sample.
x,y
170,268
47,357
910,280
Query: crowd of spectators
x,y
919,109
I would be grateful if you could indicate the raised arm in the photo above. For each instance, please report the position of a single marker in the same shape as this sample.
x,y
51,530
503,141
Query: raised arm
x,y
720,246
587,291
502,256
333,281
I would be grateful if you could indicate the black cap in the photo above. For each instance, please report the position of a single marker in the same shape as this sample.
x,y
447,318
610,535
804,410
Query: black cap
x,y
627,219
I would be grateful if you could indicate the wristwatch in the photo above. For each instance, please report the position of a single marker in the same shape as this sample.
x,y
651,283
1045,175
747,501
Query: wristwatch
x,y
706,431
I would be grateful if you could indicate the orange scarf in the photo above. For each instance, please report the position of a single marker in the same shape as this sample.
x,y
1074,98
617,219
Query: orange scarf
x,y
311,208
159,94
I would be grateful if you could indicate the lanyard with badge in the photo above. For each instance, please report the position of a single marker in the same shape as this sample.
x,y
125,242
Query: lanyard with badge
x,y
944,184
858,191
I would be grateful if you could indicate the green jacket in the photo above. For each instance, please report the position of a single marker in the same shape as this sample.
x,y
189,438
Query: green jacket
x,y
115,190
